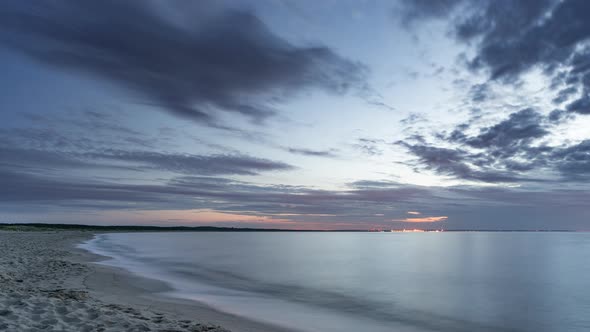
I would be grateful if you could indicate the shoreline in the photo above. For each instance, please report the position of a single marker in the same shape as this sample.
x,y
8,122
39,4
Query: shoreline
x,y
48,282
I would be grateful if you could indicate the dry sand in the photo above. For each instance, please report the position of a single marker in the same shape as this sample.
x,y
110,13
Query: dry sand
x,y
47,284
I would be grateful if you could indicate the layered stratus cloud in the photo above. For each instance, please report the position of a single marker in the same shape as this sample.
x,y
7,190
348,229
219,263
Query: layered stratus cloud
x,y
425,219
448,114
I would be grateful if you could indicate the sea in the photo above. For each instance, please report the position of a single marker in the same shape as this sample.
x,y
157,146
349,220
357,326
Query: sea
x,y
370,281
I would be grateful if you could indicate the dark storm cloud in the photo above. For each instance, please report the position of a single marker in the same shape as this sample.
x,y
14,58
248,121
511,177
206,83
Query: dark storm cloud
x,y
227,61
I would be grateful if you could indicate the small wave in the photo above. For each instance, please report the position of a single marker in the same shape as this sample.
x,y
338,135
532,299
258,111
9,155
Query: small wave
x,y
187,278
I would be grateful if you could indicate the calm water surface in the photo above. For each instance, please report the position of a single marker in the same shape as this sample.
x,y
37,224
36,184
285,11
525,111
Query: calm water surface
x,y
373,281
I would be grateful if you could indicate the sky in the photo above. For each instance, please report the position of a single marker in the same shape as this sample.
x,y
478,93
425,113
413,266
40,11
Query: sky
x,y
445,114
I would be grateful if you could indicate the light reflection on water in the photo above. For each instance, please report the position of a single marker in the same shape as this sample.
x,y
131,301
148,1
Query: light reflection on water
x,y
374,281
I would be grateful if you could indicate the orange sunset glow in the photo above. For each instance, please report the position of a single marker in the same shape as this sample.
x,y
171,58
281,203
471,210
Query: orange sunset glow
x,y
424,219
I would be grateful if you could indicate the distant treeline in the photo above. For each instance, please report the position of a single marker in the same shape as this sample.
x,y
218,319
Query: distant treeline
x,y
112,228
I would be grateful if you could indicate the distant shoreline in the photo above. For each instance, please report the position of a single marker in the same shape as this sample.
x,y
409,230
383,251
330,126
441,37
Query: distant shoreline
x,y
144,228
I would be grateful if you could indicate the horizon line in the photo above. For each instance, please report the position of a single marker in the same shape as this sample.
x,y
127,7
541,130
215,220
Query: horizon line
x,y
205,228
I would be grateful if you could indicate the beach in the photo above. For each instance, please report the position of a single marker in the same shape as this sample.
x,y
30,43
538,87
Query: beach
x,y
232,281
48,284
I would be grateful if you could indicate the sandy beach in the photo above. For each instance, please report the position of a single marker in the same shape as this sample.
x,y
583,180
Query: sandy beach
x,y
48,284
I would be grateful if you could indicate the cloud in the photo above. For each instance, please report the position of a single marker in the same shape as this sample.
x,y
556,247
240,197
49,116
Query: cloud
x,y
29,158
77,131
413,212
457,163
424,219
510,38
574,161
479,92
220,194
60,143
194,164
313,153
369,146
508,151
557,116
518,130
413,118
518,35
565,94
501,152
373,184
133,160
413,10
23,187
581,105
228,61
363,207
